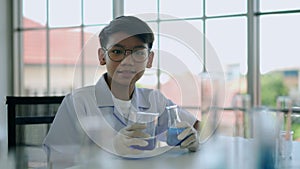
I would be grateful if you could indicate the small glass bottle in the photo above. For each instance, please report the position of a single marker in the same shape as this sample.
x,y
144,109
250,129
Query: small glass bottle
x,y
173,129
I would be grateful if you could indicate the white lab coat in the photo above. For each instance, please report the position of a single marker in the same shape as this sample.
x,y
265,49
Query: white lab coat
x,y
87,116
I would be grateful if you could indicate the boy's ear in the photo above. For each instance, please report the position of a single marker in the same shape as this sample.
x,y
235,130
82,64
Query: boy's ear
x,y
101,56
150,59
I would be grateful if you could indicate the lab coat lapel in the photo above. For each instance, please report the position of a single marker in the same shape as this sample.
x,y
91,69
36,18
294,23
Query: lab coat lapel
x,y
106,105
103,94
139,101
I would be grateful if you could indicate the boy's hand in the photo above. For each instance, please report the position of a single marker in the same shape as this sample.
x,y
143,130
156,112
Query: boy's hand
x,y
190,134
129,136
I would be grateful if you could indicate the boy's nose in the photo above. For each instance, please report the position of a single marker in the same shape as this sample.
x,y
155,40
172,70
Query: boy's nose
x,y
128,57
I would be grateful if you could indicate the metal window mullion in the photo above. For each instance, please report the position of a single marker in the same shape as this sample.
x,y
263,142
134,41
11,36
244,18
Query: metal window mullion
x,y
279,12
158,21
82,44
204,38
118,8
12,73
204,17
253,76
47,49
18,59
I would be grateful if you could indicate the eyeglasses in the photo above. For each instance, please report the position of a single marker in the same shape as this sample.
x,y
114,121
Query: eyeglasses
x,y
117,54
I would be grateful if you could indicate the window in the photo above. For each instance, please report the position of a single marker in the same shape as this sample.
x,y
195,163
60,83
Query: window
x,y
278,5
195,39
192,37
278,55
229,7
228,37
53,40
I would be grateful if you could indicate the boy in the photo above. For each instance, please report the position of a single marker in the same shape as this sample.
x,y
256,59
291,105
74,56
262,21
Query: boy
x,y
102,113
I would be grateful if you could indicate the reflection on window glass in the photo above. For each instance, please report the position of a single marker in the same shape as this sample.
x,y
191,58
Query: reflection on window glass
x,y
181,62
35,80
65,49
279,39
34,13
92,69
96,12
64,13
138,7
181,48
181,9
276,5
279,51
197,24
149,79
34,47
34,57
228,39
217,7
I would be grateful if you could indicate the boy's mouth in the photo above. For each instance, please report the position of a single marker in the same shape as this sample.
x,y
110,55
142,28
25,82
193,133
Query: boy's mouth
x,y
126,73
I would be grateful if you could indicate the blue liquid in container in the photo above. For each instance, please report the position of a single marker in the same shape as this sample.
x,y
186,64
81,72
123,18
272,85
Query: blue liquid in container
x,y
172,136
150,146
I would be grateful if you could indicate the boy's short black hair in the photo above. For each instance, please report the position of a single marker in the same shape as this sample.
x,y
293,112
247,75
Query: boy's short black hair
x,y
130,25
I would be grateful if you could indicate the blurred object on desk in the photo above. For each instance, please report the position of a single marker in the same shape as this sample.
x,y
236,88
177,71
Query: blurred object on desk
x,y
265,132
212,102
243,119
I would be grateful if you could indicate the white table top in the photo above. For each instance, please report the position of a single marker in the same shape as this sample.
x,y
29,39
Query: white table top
x,y
226,152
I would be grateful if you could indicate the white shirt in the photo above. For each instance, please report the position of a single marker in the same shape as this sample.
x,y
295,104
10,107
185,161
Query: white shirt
x,y
126,109
88,116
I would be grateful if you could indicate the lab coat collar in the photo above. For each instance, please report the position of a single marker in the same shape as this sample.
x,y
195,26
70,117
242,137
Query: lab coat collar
x,y
104,96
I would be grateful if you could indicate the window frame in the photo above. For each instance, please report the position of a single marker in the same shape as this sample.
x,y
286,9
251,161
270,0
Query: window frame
x,y
253,14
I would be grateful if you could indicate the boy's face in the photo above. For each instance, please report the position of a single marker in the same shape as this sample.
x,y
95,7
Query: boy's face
x,y
128,70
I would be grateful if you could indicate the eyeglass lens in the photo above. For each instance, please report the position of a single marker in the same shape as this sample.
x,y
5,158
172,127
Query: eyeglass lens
x,y
118,53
